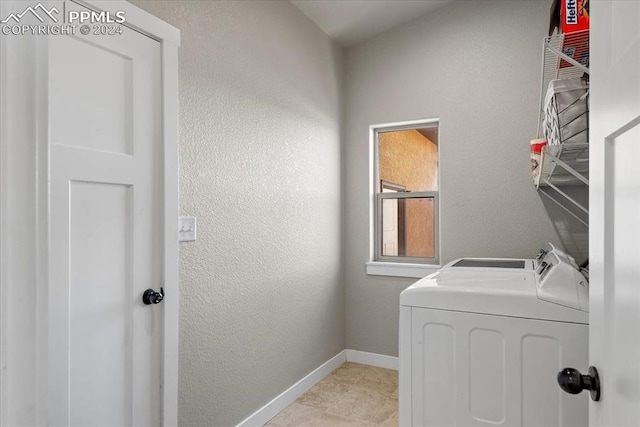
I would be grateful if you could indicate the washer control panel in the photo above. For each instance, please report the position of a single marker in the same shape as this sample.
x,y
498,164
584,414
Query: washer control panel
x,y
559,280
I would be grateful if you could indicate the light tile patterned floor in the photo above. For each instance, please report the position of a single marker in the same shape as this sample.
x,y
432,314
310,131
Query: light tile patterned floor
x,y
352,395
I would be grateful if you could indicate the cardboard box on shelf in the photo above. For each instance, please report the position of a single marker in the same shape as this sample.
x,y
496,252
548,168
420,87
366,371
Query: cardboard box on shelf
x,y
574,18
574,15
576,46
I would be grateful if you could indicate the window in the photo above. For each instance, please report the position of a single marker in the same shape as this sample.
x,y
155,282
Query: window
x,y
405,193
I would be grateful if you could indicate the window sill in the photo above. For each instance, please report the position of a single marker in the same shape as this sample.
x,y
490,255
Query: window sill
x,y
398,269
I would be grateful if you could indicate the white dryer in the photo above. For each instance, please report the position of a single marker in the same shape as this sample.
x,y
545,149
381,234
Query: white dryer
x,y
482,340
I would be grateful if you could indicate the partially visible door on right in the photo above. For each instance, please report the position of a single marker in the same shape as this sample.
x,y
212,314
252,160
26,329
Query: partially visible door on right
x,y
614,233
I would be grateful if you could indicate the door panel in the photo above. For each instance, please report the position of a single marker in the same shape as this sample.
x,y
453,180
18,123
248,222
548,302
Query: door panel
x,y
487,351
614,233
100,217
101,74
539,352
435,372
106,229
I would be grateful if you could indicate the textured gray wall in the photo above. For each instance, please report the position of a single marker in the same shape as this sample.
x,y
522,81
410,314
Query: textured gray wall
x,y
262,301
476,65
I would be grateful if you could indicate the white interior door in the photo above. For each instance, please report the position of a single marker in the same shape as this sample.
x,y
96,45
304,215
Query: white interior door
x,y
105,345
615,211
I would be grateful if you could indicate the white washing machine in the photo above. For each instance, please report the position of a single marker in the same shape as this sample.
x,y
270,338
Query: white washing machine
x,y
482,340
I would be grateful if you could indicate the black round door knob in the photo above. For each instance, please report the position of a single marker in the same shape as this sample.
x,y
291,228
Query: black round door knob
x,y
572,381
152,297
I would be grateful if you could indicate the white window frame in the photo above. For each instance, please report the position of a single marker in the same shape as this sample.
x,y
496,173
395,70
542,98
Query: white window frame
x,y
398,266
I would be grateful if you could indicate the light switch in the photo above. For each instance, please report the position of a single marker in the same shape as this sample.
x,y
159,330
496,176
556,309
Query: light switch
x,y
187,229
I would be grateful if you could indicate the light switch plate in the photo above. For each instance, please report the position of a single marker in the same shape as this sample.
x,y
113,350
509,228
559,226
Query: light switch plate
x,y
187,229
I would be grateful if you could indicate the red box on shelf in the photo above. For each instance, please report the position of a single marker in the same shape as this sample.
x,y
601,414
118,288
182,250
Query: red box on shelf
x,y
576,46
574,15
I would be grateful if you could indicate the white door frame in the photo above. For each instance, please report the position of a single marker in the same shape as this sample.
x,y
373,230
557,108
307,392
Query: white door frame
x,y
24,216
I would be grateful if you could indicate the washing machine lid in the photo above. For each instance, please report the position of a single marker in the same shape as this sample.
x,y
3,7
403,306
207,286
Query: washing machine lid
x,y
502,291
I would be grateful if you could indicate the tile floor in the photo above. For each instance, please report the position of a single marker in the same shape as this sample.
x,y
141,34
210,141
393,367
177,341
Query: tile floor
x,y
352,395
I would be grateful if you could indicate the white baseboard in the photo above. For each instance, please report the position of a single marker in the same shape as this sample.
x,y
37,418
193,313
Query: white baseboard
x,y
287,397
372,359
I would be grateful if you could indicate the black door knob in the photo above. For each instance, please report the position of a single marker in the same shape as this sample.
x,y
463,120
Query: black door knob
x,y
152,297
572,381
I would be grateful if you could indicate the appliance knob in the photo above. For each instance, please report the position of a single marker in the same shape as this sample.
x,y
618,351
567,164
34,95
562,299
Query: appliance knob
x,y
572,381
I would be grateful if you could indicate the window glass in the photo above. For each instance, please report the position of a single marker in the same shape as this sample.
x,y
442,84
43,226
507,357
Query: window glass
x,y
407,194
409,158
408,227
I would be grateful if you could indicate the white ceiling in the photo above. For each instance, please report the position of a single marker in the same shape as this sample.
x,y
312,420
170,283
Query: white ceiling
x,y
352,21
